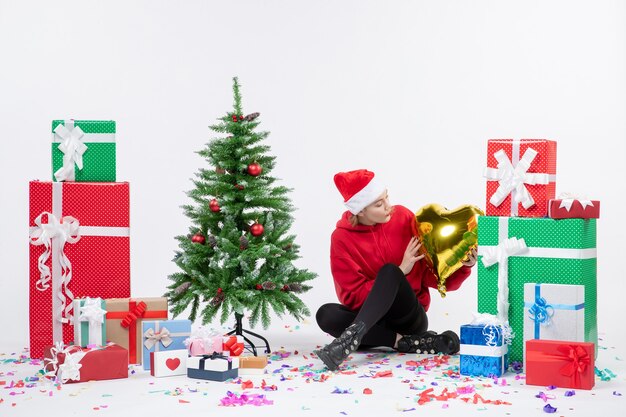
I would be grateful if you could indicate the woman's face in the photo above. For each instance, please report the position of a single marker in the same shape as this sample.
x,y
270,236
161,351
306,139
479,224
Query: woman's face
x,y
377,212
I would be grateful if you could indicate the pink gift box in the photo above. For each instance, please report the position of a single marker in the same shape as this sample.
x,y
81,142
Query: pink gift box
x,y
199,346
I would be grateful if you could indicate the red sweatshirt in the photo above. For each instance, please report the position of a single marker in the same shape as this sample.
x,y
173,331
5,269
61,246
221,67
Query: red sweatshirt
x,y
358,253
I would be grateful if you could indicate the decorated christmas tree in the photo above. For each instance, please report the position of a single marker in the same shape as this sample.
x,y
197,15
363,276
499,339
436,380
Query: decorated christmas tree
x,y
238,257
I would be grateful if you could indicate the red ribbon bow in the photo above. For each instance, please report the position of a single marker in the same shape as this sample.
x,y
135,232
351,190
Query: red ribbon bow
x,y
133,315
577,360
232,346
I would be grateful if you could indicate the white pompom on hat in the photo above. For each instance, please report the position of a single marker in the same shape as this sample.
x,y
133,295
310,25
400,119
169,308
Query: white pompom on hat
x,y
359,188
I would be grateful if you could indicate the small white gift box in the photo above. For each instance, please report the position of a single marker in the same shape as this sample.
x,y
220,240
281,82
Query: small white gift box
x,y
168,363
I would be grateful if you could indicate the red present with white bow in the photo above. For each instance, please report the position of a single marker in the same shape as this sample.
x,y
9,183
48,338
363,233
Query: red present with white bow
x,y
168,363
79,247
521,177
560,363
233,345
76,364
569,206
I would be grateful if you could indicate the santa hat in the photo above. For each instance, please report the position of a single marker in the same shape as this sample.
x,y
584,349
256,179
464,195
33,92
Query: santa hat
x,y
359,188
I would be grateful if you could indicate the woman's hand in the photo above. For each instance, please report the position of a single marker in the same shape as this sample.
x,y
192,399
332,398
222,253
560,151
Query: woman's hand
x,y
472,255
410,255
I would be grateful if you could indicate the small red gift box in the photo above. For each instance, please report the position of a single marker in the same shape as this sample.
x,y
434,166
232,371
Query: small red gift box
x,y
560,363
76,364
233,345
521,177
574,208
79,247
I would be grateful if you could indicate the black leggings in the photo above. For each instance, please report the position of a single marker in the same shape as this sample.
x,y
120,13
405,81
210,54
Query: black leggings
x,y
390,308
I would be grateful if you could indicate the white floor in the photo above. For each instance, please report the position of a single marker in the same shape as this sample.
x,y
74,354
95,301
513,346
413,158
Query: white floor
x,y
303,388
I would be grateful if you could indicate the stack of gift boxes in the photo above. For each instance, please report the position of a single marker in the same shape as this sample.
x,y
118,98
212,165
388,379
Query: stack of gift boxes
x,y
82,319
536,272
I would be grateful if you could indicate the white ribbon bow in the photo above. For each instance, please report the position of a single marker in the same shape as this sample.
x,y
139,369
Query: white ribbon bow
x,y
70,368
67,230
500,255
512,180
73,149
92,312
568,199
153,338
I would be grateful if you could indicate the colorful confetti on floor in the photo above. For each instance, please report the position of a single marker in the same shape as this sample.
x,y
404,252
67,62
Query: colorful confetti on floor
x,y
369,383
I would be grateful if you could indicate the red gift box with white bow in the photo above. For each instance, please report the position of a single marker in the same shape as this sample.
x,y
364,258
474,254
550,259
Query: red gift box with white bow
x,y
79,247
75,364
560,363
573,207
521,177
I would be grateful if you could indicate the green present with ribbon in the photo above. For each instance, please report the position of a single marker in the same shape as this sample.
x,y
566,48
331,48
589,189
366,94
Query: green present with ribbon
x,y
83,150
514,251
89,322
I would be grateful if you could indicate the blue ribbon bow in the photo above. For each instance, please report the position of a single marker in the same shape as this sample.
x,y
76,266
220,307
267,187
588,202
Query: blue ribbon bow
x,y
541,312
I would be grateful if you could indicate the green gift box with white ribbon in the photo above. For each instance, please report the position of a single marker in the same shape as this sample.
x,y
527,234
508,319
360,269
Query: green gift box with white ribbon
x,y
83,150
514,251
89,322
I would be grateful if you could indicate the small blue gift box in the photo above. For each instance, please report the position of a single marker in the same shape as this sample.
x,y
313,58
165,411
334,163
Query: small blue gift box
x,y
214,367
163,335
483,352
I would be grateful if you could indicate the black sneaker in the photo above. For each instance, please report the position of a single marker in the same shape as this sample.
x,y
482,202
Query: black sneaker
x,y
334,353
430,343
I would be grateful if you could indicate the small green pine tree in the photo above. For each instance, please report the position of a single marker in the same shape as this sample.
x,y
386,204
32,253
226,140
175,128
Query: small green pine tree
x,y
238,256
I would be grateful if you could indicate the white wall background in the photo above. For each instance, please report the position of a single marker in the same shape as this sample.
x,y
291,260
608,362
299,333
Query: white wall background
x,y
409,89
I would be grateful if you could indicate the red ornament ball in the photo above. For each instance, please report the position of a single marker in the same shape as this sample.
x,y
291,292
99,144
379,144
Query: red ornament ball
x,y
259,287
235,118
214,206
255,169
257,229
239,187
198,238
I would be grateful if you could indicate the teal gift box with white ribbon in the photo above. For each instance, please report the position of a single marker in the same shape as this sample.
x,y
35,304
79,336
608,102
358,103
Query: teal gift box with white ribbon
x,y
83,150
89,321
554,312
163,335
513,251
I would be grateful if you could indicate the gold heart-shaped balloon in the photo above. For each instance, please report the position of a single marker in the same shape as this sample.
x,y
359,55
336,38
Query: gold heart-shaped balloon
x,y
447,236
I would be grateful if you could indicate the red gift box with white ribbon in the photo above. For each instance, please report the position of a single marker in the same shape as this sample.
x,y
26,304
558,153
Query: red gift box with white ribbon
x,y
79,247
569,206
75,364
521,177
560,363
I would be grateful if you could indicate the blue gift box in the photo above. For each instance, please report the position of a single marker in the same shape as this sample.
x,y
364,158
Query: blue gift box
x,y
163,335
483,352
